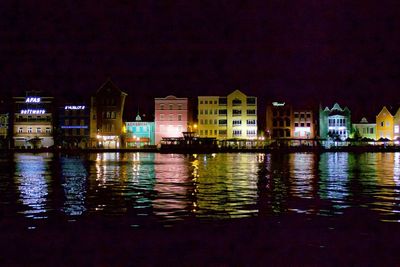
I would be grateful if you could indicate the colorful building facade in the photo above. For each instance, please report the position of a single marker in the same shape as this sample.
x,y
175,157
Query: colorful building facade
x,y
365,129
334,123
107,108
303,124
33,121
171,117
387,123
139,133
230,117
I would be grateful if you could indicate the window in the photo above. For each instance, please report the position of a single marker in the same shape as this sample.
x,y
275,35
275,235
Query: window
x,y
222,112
296,115
66,121
237,122
215,132
371,130
171,117
205,132
171,106
201,101
179,117
222,132
48,130
308,124
296,124
179,106
215,112
251,112
161,106
251,101
308,115
38,130
215,122
222,101
236,112
251,132
382,123
201,112
161,117
302,124
396,129
237,132
222,122
387,124
20,130
236,102
215,102
201,121
251,122
206,112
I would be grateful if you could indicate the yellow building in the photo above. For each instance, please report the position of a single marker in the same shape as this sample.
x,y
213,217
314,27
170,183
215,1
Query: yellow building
x,y
233,116
385,124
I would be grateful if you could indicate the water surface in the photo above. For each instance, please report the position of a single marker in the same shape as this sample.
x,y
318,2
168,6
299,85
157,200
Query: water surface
x,y
175,187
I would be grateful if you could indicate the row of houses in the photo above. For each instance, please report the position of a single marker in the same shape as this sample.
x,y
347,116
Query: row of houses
x,y
34,122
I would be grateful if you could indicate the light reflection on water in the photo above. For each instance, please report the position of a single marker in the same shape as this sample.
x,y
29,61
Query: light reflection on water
x,y
173,187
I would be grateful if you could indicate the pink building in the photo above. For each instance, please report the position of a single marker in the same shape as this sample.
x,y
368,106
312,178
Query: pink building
x,y
171,117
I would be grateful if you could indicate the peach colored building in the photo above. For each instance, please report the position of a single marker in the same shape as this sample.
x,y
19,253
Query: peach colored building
x,y
170,117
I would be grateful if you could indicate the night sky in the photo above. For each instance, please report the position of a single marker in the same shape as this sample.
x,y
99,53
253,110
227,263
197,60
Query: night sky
x,y
304,52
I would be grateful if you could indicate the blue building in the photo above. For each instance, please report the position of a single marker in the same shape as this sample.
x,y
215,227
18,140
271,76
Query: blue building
x,y
139,133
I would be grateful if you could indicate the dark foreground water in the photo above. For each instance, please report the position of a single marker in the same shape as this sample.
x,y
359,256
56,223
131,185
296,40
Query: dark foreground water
x,y
166,188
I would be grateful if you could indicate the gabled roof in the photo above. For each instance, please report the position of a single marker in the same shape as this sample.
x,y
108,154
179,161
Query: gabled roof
x,y
109,84
384,109
336,107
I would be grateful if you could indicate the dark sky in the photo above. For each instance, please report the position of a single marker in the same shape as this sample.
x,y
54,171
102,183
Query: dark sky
x,y
299,51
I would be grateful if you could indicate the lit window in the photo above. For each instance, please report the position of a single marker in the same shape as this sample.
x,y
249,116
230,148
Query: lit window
x,y
20,130
29,129
39,130
179,117
396,129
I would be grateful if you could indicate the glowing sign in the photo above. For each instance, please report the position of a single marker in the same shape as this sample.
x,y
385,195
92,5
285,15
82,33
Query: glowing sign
x,y
75,107
33,111
74,127
32,100
278,104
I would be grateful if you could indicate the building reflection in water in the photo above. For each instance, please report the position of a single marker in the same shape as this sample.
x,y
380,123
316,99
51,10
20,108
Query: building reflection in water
x,y
172,199
303,181
32,177
74,175
334,171
122,183
226,185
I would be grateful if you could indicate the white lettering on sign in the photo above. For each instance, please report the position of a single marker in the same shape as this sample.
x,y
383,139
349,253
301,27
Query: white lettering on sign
x,y
33,111
75,107
32,100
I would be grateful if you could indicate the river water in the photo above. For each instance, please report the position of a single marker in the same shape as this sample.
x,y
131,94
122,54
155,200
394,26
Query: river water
x,y
166,188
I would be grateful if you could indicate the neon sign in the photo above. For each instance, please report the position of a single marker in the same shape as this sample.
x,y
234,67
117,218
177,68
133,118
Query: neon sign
x,y
277,104
32,100
75,107
33,111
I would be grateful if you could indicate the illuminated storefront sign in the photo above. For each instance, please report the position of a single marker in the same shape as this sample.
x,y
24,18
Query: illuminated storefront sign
x,y
33,111
74,127
278,104
75,107
32,100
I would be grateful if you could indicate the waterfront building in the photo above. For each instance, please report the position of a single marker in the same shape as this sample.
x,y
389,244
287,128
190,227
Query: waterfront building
x,y
385,123
139,133
74,123
365,129
279,121
227,117
107,107
171,117
396,128
33,121
303,124
334,123
4,127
